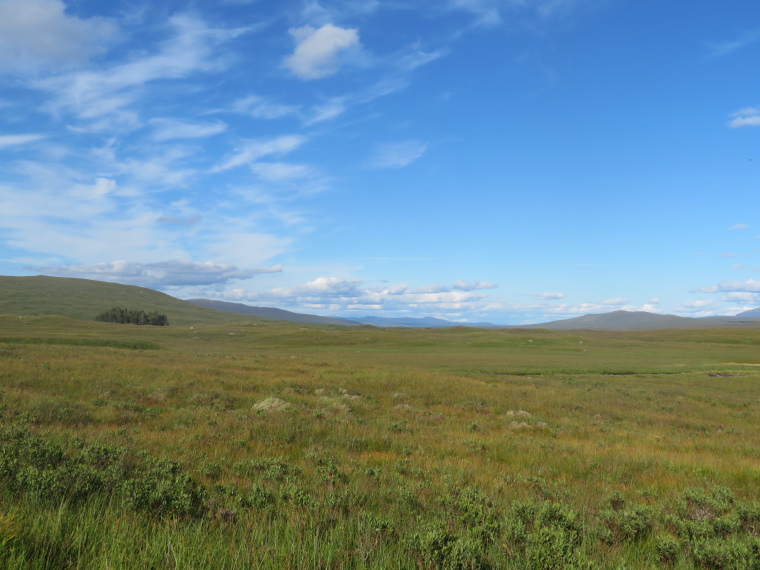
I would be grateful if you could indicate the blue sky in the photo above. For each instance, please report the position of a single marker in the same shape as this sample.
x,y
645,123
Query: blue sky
x,y
511,161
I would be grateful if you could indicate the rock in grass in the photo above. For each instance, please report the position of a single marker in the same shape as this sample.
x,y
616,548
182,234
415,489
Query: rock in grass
x,y
519,425
271,404
518,414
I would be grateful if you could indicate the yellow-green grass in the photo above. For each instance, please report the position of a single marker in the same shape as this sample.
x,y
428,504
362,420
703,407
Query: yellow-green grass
x,y
385,433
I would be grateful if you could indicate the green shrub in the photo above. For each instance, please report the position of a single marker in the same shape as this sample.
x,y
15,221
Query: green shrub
x,y
632,523
132,316
667,549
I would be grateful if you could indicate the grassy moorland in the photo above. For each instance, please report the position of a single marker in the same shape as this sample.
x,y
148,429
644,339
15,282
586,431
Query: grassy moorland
x,y
274,445
85,299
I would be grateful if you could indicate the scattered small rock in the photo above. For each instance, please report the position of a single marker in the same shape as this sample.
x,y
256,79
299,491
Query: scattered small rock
x,y
271,404
519,414
541,425
319,391
334,404
519,425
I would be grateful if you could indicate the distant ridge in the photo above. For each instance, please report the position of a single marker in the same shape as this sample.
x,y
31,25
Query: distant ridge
x,y
642,320
421,322
272,313
752,314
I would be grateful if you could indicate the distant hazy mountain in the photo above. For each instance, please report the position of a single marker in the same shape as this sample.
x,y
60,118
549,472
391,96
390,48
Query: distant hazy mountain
x,y
641,320
752,314
423,322
271,313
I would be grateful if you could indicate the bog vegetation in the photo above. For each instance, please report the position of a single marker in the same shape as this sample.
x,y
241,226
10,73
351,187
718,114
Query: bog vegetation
x,y
271,445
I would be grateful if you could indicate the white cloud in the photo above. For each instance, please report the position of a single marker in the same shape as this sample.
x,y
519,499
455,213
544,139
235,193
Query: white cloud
x,y
728,255
260,108
726,48
697,304
280,171
321,52
245,248
170,129
461,285
252,150
397,155
189,221
172,273
548,296
747,117
93,95
327,111
350,295
18,140
38,33
749,286
416,57
739,227
745,297
492,12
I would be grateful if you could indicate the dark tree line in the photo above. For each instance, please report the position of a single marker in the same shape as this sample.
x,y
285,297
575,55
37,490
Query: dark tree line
x,y
133,317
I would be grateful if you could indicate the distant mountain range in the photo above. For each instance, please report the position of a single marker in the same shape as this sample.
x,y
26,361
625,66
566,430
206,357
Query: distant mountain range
x,y
613,321
642,320
84,299
273,314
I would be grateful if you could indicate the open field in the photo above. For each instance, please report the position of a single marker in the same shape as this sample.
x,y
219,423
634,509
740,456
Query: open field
x,y
142,447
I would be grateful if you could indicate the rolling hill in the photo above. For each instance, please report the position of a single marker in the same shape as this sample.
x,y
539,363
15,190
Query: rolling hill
x,y
84,299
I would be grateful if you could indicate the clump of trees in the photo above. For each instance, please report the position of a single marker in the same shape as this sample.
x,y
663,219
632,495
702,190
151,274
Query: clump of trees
x,y
133,317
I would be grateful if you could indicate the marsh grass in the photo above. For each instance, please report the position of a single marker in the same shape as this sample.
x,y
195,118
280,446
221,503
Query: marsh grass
x,y
397,448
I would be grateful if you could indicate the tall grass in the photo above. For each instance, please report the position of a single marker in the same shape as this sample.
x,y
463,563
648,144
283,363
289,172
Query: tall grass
x,y
396,449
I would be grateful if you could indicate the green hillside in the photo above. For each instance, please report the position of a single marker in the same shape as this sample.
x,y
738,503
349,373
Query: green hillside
x,y
84,299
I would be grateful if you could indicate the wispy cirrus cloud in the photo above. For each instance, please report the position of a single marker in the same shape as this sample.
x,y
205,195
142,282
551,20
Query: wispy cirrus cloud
x,y
494,12
172,129
91,95
721,49
7,141
262,108
397,155
250,151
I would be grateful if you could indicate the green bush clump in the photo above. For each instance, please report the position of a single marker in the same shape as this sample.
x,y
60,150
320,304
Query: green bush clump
x,y
622,522
32,464
133,317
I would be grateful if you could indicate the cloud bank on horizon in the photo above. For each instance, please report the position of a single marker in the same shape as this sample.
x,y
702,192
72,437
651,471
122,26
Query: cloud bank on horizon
x,y
465,159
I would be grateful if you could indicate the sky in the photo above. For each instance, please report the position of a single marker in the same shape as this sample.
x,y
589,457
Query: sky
x,y
506,161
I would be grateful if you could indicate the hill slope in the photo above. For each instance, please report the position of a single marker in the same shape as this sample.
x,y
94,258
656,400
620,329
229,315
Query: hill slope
x,y
751,314
271,313
84,299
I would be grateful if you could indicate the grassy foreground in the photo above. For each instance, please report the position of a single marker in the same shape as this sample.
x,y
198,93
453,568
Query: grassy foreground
x,y
271,445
